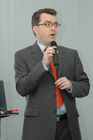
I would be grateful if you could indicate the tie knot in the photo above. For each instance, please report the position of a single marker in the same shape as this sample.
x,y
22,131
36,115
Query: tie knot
x,y
45,48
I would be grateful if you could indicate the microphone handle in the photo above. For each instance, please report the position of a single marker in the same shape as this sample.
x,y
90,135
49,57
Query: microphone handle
x,y
55,57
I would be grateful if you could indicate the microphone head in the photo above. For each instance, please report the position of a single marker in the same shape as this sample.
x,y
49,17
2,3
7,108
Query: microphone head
x,y
53,43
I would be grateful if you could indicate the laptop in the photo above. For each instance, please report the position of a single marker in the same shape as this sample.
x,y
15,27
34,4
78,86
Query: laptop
x,y
3,106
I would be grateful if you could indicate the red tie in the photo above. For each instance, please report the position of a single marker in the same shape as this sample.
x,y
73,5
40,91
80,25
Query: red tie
x,y
59,97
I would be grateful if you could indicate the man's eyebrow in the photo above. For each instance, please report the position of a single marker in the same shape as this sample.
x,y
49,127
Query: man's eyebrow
x,y
50,21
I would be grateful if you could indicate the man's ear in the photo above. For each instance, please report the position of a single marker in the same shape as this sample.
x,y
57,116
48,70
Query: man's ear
x,y
35,29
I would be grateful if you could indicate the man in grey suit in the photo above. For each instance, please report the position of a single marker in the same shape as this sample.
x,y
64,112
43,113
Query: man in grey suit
x,y
34,80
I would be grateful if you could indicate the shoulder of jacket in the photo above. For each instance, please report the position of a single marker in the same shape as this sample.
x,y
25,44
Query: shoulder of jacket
x,y
67,49
24,50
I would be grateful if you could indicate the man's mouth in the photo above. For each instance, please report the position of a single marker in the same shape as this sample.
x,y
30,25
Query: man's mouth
x,y
52,35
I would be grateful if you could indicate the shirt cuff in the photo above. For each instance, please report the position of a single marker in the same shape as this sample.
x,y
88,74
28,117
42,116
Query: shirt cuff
x,y
70,90
45,67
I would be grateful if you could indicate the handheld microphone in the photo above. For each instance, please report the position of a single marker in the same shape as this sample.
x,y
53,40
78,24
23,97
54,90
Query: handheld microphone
x,y
55,57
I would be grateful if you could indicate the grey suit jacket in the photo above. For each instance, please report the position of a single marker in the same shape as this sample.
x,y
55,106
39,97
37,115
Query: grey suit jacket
x,y
38,86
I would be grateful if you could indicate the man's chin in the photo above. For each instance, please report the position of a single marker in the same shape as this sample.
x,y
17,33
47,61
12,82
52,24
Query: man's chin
x,y
49,42
52,39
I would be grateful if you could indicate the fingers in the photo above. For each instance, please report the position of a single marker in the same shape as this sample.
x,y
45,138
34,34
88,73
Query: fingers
x,y
50,51
47,57
63,83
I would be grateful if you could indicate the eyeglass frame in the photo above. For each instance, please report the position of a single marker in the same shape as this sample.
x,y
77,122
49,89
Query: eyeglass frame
x,y
49,24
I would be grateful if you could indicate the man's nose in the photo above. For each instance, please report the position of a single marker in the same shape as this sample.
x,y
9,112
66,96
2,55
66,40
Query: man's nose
x,y
53,27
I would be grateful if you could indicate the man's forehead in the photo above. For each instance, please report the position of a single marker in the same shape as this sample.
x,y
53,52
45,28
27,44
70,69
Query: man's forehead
x,y
47,17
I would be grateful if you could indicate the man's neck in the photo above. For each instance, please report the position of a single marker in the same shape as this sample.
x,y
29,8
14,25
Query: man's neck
x,y
45,44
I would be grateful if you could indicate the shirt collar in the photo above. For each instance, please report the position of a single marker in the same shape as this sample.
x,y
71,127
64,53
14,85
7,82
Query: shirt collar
x,y
41,46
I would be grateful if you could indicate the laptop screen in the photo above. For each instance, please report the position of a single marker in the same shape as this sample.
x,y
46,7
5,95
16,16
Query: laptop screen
x,y
3,105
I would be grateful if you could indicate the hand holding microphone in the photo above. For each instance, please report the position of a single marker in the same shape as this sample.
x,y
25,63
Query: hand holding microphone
x,y
55,56
51,52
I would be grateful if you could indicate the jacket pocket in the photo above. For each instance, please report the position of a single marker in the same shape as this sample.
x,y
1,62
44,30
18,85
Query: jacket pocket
x,y
32,112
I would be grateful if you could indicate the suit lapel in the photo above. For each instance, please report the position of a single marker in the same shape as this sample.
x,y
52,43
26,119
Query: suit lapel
x,y
36,52
61,60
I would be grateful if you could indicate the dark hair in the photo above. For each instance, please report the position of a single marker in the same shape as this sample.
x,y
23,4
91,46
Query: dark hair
x,y
36,15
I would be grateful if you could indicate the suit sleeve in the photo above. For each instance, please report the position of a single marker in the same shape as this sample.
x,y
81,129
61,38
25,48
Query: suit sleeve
x,y
80,86
27,81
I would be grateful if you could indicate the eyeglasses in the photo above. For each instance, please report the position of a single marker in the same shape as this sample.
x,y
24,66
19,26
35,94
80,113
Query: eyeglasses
x,y
49,24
